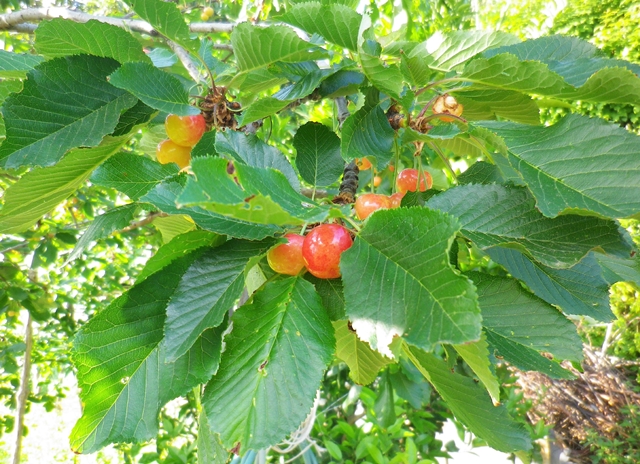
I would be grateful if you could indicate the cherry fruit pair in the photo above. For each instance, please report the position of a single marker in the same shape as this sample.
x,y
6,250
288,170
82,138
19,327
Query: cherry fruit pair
x,y
183,132
319,252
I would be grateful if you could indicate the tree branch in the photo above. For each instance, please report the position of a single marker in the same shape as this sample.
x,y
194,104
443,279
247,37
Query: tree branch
x,y
24,390
143,222
343,111
186,60
19,21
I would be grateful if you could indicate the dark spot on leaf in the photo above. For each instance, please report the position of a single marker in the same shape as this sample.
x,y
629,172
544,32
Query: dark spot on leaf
x,y
249,198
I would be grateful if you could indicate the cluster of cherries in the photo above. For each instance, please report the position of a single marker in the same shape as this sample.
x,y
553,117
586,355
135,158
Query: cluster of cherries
x,y
407,181
319,251
183,132
207,13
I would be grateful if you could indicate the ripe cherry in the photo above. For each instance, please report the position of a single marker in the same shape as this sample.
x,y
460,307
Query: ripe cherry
x,y
363,164
377,180
322,248
408,181
286,258
185,130
367,203
170,152
396,199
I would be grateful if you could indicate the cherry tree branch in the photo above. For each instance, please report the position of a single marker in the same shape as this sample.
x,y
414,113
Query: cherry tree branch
x,y
19,21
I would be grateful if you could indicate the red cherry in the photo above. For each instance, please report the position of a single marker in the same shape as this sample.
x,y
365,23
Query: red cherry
x,y
408,181
170,152
369,202
185,130
322,248
286,258
396,199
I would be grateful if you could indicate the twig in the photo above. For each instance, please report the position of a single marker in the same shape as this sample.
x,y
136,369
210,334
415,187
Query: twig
x,y
24,391
343,111
186,60
143,222
16,21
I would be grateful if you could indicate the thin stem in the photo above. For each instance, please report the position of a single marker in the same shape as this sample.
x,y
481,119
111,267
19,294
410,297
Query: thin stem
x,y
427,106
24,390
445,160
353,223
396,164
440,82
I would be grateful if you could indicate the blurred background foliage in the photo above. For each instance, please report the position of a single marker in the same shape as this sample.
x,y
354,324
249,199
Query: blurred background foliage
x,y
396,418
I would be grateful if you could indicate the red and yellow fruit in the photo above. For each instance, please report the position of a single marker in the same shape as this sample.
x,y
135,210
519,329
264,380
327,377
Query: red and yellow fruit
x,y
322,248
185,131
170,152
367,203
363,164
396,199
286,258
408,181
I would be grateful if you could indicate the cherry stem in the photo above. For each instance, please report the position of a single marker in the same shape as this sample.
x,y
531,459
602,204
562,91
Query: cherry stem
x,y
440,82
427,106
353,224
445,160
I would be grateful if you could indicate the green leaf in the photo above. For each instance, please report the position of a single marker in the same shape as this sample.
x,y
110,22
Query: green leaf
x,y
476,355
367,133
177,248
255,195
523,357
65,103
206,145
332,295
257,47
619,270
340,84
512,312
384,408
578,290
164,195
450,50
154,87
123,374
138,115
173,225
384,77
318,154
471,404
252,151
363,362
595,168
507,72
206,292
62,37
167,19
42,189
17,65
210,449
303,87
572,58
337,23
486,104
417,295
261,109
115,219
481,173
496,215
290,344
133,175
